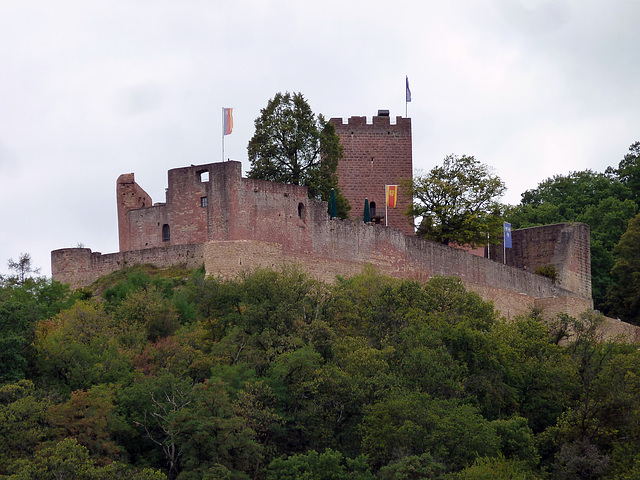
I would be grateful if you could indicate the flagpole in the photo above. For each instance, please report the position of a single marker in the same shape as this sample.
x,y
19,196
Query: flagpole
x,y
222,128
504,250
407,97
386,206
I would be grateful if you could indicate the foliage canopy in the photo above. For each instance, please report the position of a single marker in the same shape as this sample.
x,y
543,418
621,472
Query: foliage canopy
x,y
276,375
457,202
293,145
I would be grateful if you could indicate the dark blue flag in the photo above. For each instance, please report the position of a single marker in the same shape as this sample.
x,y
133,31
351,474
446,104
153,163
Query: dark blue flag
x,y
507,235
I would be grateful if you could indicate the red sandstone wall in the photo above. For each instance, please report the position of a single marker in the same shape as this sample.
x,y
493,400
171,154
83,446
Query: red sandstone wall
x,y
129,196
237,208
565,246
375,155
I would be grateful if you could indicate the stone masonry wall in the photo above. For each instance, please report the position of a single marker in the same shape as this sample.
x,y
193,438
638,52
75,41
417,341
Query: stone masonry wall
x,y
375,154
345,247
129,196
80,267
565,246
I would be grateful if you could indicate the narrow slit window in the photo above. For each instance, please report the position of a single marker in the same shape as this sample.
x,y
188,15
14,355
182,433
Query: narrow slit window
x,y
301,211
166,233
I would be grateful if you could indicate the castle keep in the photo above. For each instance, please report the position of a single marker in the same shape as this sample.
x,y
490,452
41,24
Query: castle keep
x,y
212,216
376,155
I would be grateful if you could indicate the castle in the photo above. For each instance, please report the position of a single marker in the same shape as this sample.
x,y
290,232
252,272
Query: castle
x,y
212,216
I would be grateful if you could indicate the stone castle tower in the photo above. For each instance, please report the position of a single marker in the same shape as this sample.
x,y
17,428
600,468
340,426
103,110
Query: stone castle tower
x,y
376,154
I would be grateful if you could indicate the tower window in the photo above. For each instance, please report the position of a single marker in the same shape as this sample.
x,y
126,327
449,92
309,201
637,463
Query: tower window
x,y
166,233
204,175
301,211
372,209
203,201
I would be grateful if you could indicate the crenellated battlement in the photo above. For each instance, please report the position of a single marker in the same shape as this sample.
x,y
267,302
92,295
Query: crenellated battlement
x,y
376,121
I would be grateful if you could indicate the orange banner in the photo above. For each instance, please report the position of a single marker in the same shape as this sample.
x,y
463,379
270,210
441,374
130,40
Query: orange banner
x,y
392,195
227,128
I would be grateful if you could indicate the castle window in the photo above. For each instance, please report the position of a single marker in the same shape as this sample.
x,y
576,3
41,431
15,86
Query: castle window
x,y
166,233
301,211
372,209
203,201
204,175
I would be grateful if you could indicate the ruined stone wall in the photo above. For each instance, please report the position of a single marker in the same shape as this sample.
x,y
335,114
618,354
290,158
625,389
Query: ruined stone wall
x,y
375,154
80,267
214,202
129,196
565,246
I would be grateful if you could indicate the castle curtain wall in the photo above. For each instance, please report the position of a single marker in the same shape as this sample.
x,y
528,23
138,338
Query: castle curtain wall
x,y
247,223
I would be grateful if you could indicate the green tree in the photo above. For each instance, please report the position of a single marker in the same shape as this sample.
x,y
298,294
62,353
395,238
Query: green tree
x,y
147,307
23,422
329,465
409,423
628,171
78,348
624,294
293,145
457,202
210,433
496,468
413,467
21,306
22,268
67,460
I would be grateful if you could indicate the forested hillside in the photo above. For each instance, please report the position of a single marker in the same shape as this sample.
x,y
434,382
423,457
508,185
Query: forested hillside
x,y
152,375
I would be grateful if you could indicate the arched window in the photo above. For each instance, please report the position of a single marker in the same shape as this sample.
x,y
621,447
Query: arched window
x,y
166,233
301,211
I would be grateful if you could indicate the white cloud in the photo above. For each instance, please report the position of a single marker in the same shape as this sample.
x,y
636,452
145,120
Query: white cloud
x,y
89,90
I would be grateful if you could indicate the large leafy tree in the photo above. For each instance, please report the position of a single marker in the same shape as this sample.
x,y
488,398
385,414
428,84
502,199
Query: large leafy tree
x,y
457,202
293,145
628,171
624,294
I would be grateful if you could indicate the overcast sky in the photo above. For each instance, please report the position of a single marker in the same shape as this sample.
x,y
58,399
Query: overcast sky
x,y
92,89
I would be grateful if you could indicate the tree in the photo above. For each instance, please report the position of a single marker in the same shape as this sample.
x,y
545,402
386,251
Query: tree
x,y
457,202
68,459
319,466
624,294
21,306
292,145
412,423
629,171
22,267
